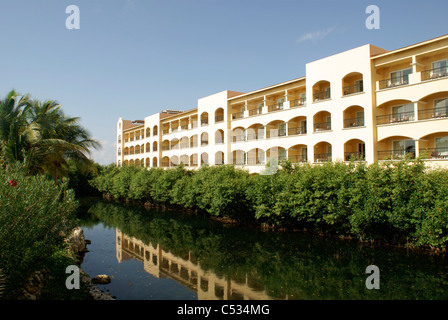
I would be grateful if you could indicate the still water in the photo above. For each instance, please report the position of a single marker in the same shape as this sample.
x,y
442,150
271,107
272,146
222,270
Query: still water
x,y
153,255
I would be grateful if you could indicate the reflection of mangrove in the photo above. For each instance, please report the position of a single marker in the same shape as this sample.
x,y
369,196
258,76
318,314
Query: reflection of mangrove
x,y
187,271
278,265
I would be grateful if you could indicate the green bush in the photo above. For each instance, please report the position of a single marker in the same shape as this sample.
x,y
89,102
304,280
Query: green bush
x,y
395,201
35,216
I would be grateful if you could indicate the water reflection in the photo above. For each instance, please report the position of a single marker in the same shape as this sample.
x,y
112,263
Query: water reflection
x,y
227,262
187,271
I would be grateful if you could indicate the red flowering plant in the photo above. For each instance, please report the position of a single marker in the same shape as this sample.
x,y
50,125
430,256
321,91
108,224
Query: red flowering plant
x,y
12,183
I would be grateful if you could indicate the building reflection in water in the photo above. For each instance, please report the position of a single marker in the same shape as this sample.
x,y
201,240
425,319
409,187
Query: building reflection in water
x,y
161,263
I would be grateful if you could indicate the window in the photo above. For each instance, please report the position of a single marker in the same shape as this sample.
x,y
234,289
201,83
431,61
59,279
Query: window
x,y
360,118
304,154
439,67
404,146
359,86
441,107
403,113
282,129
280,103
442,144
400,77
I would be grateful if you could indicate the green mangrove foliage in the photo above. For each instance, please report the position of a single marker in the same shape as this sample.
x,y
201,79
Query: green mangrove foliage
x,y
397,202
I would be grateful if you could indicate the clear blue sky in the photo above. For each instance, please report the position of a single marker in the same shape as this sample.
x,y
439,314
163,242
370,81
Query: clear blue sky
x,y
133,58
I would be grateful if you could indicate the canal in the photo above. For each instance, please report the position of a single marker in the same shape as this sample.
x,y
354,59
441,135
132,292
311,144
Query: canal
x,y
154,255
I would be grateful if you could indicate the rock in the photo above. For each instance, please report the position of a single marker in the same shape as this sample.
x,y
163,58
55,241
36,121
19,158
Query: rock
x,y
77,241
101,279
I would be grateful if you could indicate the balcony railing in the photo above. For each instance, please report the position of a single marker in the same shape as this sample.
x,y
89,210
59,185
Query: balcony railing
x,y
184,127
275,107
322,157
395,154
239,138
254,112
296,131
237,115
255,136
394,82
353,122
357,156
165,131
297,103
165,148
395,118
255,161
433,113
219,118
317,96
435,153
435,73
204,122
298,159
322,126
353,89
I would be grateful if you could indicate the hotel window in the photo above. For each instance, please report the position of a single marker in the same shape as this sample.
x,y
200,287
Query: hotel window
x,y
400,147
442,145
439,67
403,113
280,103
441,107
400,76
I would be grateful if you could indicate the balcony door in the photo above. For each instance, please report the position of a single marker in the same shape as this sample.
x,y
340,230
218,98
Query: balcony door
x,y
439,68
441,107
442,145
403,112
401,147
400,76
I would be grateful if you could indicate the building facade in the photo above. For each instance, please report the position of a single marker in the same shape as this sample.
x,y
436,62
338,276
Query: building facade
x,y
362,104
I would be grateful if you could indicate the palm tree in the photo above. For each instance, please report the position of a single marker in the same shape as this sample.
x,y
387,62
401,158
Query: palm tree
x,y
60,138
42,136
15,131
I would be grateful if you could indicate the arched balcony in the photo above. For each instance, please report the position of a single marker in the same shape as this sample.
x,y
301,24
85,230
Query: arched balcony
x,y
154,146
297,126
219,115
396,148
256,156
395,111
219,158
298,153
355,149
148,132
204,139
204,119
321,91
322,121
165,145
276,153
434,146
322,152
219,136
154,162
354,117
275,129
352,83
204,158
255,132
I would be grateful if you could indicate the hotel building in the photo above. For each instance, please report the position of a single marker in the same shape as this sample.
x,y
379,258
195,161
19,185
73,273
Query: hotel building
x,y
366,103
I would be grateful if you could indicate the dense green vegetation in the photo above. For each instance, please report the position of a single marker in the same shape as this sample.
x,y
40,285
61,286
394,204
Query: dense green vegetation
x,y
35,216
395,202
39,148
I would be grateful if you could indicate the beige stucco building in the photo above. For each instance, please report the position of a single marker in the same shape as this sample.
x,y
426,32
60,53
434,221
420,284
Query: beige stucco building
x,y
365,103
